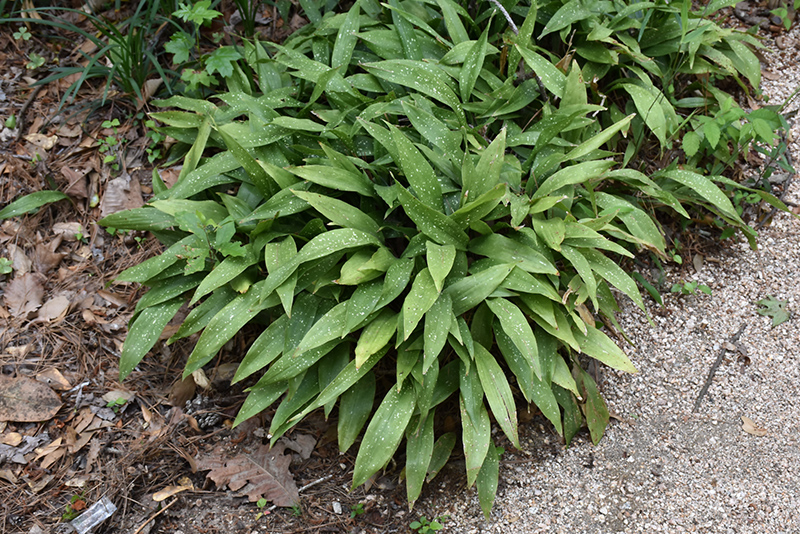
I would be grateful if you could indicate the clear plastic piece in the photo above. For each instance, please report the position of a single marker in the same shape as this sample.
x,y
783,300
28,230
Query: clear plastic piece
x,y
96,514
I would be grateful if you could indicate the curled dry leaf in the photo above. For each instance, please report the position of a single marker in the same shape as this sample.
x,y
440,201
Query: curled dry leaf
x,y
53,378
46,259
24,294
25,400
55,309
751,428
22,263
69,231
169,491
121,194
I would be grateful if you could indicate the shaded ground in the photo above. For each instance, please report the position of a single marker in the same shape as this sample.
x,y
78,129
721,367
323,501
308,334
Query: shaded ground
x,y
63,322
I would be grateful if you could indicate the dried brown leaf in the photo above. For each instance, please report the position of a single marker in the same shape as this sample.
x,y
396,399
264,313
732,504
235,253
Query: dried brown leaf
x,y
24,294
182,391
265,473
77,184
26,400
69,230
45,258
303,445
121,194
169,491
55,309
53,378
22,263
751,428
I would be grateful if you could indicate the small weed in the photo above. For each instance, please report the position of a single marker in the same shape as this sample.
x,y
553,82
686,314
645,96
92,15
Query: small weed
x,y
35,61
261,503
116,404
11,122
6,266
690,288
22,34
76,505
297,511
423,526
774,308
110,145
356,510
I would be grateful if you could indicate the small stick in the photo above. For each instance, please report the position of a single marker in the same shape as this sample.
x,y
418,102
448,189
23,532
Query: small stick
x,y
714,367
138,530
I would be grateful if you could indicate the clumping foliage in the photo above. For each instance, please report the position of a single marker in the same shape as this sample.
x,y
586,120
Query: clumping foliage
x,y
426,207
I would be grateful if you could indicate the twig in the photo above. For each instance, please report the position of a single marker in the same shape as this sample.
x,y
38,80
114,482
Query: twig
x,y
506,15
23,109
141,527
714,367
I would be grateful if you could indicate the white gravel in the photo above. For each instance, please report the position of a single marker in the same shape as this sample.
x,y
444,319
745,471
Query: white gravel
x,y
665,468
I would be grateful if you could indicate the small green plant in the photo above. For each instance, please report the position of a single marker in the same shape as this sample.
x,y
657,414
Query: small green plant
x,y
782,13
356,510
774,308
6,266
11,122
261,503
76,505
423,526
34,61
690,288
22,34
110,145
115,405
297,510
154,148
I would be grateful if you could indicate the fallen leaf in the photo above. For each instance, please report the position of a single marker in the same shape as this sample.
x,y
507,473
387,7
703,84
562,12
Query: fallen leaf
x,y
69,231
77,183
697,262
25,400
45,258
770,75
54,309
303,445
750,427
182,391
53,378
121,194
774,308
24,294
200,378
22,263
169,491
117,395
265,473
41,140
12,438
113,298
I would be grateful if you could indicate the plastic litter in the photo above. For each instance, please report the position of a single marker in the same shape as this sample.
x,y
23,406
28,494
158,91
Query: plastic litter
x,y
96,514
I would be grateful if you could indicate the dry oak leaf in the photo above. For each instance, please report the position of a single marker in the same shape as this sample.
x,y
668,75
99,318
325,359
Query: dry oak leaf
x,y
24,294
751,428
25,400
264,473
54,310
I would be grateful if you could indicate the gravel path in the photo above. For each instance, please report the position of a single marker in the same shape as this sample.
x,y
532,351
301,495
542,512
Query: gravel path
x,y
665,467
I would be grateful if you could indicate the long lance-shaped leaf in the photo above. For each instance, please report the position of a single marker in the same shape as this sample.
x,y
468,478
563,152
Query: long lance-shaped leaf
x,y
552,78
144,332
419,451
487,172
354,410
30,202
472,66
417,170
264,350
516,326
339,212
598,140
261,179
346,39
384,433
498,393
705,188
487,481
470,291
476,436
335,178
596,344
418,301
434,224
613,274
574,174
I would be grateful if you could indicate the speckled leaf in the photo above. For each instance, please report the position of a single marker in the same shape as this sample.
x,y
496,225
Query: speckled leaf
x,y
384,433
354,409
470,291
417,170
418,301
419,451
434,224
595,409
574,174
264,349
488,478
552,78
472,66
144,332
476,438
441,453
440,260
516,326
498,393
375,336
335,178
437,324
339,212
600,347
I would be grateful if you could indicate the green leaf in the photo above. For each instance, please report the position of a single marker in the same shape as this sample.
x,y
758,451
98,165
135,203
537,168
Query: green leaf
x,y
354,409
230,268
774,308
487,172
596,344
569,13
475,437
573,418
649,109
551,230
595,408
405,30
30,202
705,188
440,261
470,291
574,174
339,212
712,133
329,327
375,336
516,326
335,178
417,170
501,248
553,79
346,39
418,301
498,393
384,433
487,481
264,350
450,11
419,451
362,303
437,324
144,331
221,60
613,274
473,64
426,79
260,178
260,398
157,264
441,453
434,224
